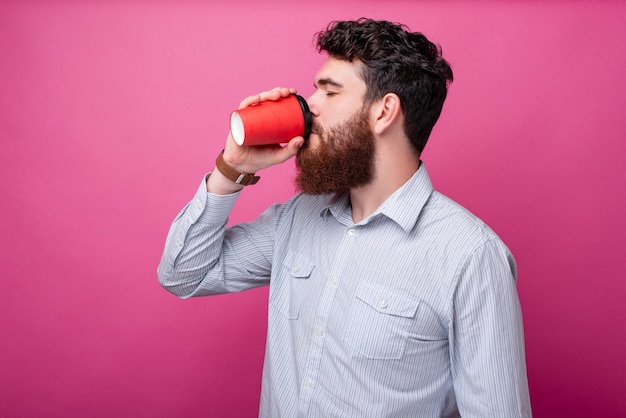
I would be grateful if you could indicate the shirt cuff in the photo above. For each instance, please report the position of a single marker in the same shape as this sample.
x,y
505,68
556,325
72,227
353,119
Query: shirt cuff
x,y
212,208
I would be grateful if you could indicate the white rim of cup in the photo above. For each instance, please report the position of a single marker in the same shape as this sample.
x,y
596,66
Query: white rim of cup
x,y
237,129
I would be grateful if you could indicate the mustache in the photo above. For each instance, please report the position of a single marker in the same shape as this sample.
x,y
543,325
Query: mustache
x,y
317,128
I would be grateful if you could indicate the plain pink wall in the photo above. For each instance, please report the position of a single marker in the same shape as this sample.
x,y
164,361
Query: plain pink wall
x,y
111,111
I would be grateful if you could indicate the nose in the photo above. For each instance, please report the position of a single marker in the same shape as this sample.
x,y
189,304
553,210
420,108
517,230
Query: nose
x,y
313,105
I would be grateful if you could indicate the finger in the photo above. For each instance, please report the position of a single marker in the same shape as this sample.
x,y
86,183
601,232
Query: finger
x,y
249,101
273,94
283,91
278,92
289,150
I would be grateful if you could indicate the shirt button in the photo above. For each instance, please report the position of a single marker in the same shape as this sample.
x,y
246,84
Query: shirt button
x,y
352,232
309,383
179,242
295,269
383,304
198,204
334,281
319,332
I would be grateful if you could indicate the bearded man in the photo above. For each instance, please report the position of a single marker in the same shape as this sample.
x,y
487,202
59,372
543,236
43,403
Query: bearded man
x,y
386,298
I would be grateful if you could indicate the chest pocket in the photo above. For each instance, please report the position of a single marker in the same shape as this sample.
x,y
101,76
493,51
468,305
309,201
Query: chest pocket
x,y
379,321
289,284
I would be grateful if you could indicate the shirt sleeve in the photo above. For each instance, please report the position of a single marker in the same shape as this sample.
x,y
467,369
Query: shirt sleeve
x,y
487,337
202,257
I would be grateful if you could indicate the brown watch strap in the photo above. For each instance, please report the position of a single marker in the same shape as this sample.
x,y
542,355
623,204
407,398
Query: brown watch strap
x,y
245,179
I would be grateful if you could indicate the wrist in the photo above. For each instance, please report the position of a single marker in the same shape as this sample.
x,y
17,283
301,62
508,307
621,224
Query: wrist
x,y
218,184
233,174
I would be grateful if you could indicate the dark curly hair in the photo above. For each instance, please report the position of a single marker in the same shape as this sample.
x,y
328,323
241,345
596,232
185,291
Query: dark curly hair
x,y
395,61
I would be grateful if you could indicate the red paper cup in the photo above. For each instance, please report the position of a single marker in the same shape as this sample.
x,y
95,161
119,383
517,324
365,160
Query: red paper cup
x,y
271,122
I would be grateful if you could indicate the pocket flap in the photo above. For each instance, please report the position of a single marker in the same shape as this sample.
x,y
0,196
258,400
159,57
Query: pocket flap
x,y
298,265
387,300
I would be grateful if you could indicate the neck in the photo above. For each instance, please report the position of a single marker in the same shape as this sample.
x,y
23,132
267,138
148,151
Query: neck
x,y
394,167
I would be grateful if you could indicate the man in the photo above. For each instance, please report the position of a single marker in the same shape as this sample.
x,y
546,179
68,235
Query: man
x,y
386,298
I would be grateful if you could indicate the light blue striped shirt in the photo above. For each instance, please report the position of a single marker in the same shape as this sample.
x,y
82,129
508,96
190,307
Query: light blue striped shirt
x,y
412,312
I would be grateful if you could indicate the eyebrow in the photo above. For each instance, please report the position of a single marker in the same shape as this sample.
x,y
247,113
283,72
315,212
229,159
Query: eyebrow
x,y
327,82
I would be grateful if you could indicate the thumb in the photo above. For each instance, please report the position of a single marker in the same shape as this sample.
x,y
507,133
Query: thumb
x,y
289,150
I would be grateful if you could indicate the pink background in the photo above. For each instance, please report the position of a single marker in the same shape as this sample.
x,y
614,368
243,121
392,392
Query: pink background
x,y
111,112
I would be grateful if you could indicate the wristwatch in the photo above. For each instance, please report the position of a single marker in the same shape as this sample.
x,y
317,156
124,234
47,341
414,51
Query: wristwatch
x,y
245,179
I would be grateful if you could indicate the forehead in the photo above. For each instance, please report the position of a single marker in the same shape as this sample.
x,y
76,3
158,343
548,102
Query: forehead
x,y
344,74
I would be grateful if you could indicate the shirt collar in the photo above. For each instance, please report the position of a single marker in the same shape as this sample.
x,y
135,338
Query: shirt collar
x,y
403,206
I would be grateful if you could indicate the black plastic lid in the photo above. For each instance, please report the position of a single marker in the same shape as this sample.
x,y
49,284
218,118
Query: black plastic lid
x,y
308,116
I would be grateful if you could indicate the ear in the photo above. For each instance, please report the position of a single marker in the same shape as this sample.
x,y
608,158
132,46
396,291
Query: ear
x,y
387,111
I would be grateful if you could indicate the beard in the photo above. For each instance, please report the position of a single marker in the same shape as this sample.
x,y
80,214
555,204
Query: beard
x,y
343,159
